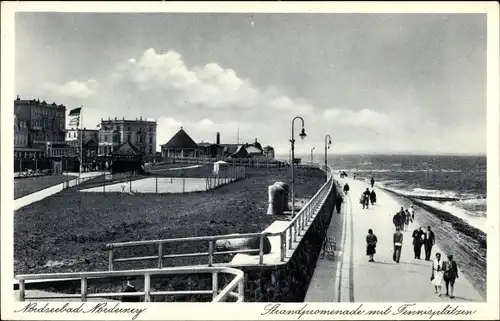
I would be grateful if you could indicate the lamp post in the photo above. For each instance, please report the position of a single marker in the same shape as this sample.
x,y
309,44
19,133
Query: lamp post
x,y
312,149
292,141
327,147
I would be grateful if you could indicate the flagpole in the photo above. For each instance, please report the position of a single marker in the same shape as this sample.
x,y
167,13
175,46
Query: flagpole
x,y
81,145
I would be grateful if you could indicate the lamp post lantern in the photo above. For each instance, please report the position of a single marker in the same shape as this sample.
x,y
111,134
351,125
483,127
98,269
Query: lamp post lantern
x,y
328,142
302,135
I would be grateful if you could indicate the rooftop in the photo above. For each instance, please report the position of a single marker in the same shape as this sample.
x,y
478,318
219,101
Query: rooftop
x,y
37,103
181,140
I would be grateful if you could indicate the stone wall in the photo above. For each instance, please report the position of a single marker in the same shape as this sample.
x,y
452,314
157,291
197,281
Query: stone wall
x,y
289,282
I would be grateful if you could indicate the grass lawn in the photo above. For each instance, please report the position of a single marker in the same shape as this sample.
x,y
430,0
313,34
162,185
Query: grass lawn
x,y
28,185
72,228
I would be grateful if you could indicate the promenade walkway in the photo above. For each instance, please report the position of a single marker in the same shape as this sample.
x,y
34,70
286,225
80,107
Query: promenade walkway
x,y
351,278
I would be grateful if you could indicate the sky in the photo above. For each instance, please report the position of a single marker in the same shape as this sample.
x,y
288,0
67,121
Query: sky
x,y
376,83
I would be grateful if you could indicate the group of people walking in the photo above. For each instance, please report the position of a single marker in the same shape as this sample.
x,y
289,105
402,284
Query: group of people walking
x,y
403,218
368,197
442,271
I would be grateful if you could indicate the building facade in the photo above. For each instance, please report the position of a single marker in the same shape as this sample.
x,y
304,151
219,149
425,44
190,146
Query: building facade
x,y
73,136
39,125
114,132
268,152
20,133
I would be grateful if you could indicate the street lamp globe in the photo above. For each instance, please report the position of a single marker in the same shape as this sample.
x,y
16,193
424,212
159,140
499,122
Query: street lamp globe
x,y
303,133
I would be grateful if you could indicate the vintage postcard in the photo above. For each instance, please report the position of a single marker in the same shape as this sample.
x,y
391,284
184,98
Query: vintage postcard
x,y
250,160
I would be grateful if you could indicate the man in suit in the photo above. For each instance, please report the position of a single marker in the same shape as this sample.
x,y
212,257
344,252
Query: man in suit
x,y
429,241
398,244
417,242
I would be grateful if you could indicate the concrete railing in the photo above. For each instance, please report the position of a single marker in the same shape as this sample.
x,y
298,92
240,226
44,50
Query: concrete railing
x,y
235,288
298,225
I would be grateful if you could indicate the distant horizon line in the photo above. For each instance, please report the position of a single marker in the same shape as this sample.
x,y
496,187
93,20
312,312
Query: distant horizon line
x,y
392,154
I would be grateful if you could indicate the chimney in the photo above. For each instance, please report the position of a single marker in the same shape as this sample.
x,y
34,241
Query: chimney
x,y
217,140
115,118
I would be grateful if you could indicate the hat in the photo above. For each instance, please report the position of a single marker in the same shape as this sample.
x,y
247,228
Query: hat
x,y
411,205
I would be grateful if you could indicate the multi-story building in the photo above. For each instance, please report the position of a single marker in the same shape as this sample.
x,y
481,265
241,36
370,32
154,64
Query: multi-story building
x,y
73,136
20,132
90,140
45,124
140,132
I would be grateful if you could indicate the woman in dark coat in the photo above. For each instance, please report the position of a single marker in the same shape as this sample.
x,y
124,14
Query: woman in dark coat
x,y
373,197
450,275
371,244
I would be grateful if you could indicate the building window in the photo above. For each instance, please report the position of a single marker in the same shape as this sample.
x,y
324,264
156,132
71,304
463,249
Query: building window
x,y
129,137
129,127
105,138
118,128
151,139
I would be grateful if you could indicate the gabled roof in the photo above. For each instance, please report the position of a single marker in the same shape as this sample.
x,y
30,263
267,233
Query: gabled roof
x,y
91,142
181,140
230,148
126,148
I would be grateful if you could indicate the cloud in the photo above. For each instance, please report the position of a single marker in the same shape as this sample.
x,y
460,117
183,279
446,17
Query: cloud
x,y
203,99
73,88
362,118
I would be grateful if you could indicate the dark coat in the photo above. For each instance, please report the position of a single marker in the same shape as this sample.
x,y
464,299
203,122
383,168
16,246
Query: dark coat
x,y
450,270
429,239
397,219
417,237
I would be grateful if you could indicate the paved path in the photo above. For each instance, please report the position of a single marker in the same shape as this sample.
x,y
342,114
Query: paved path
x,y
39,195
351,278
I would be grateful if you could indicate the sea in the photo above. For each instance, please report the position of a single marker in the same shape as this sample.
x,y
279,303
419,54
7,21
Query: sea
x,y
454,184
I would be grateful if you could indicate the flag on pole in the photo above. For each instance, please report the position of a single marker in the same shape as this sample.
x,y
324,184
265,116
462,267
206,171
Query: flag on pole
x,y
75,112
74,121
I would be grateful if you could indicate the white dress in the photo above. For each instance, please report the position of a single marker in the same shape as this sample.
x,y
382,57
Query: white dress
x,y
438,272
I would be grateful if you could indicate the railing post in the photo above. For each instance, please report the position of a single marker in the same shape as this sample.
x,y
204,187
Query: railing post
x,y
22,290
156,184
147,287
296,231
215,285
210,253
83,289
160,255
283,246
241,289
290,235
261,248
110,258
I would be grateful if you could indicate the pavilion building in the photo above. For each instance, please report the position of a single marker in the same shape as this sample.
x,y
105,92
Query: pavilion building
x,y
180,145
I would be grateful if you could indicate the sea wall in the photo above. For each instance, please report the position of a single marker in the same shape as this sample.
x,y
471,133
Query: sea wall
x,y
288,282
